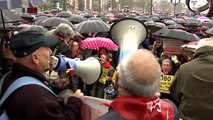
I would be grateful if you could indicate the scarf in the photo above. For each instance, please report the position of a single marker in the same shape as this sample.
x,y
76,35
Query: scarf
x,y
141,108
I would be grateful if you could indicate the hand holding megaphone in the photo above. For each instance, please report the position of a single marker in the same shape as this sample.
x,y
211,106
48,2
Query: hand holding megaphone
x,y
89,70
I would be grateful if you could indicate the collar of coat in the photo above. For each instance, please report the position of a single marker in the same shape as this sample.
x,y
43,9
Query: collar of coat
x,y
203,51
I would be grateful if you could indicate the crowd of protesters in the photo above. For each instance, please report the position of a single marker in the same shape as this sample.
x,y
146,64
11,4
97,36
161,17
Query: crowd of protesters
x,y
193,68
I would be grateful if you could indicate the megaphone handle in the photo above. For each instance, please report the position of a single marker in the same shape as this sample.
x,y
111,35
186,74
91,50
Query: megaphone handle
x,y
70,73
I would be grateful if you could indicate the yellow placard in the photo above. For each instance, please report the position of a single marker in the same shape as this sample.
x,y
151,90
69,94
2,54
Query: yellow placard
x,y
104,75
165,83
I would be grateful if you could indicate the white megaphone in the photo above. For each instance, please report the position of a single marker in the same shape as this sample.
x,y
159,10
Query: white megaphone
x,y
89,70
128,33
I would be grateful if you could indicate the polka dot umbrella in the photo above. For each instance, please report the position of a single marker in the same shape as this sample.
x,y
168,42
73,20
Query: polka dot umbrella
x,y
98,42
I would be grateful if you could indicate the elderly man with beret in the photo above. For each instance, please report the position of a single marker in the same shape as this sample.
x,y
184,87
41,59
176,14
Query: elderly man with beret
x,y
34,102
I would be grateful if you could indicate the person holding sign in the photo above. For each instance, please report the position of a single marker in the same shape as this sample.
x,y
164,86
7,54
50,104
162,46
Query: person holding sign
x,y
166,79
193,84
138,80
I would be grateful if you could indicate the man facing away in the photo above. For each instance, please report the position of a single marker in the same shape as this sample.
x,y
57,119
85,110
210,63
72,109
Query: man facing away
x,y
193,84
34,102
138,81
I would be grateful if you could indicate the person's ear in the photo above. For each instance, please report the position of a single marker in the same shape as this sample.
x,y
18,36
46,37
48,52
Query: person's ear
x,y
34,57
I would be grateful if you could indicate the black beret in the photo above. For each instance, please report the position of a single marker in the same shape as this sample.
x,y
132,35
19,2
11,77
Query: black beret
x,y
25,43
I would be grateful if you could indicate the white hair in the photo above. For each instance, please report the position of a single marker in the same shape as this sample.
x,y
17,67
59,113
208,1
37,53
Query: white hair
x,y
64,29
205,42
139,74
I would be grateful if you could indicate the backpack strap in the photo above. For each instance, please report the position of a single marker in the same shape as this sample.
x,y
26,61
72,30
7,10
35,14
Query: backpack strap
x,y
22,81
2,81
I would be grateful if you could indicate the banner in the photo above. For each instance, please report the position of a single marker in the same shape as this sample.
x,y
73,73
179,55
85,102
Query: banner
x,y
165,82
171,46
98,106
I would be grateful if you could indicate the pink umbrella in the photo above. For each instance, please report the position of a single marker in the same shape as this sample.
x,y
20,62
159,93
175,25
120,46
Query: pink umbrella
x,y
98,42
203,18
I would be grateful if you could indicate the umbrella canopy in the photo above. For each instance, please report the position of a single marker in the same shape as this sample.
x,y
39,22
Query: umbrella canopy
x,y
209,31
9,4
88,15
155,18
192,22
98,42
176,26
64,14
34,28
204,28
207,23
8,26
55,21
120,15
131,16
155,26
169,22
27,16
176,34
203,18
10,17
92,26
75,19
179,20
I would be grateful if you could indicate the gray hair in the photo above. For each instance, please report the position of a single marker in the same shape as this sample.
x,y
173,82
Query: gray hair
x,y
167,60
64,29
205,42
139,74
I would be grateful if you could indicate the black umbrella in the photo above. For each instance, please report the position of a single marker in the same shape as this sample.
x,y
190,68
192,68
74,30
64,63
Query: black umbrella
x,y
169,22
55,21
179,20
209,31
176,26
27,17
34,28
9,17
91,26
88,15
131,16
155,19
10,4
176,34
64,14
8,26
120,15
155,26
75,19
207,23
192,22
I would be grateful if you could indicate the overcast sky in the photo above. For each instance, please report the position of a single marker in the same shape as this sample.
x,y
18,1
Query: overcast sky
x,y
198,1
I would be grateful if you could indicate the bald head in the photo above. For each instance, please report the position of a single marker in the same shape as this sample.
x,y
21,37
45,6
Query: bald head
x,y
139,74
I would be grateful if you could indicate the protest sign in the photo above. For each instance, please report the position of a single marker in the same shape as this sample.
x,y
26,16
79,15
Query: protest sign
x,y
171,46
165,83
